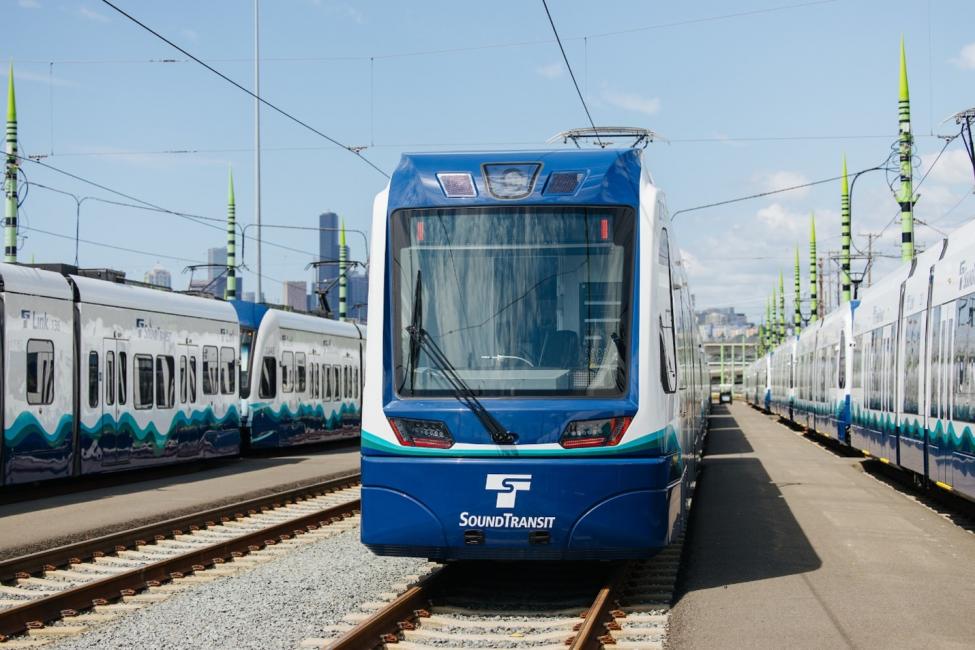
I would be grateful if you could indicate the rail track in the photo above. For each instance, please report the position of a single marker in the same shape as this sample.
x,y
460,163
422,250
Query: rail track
x,y
76,581
582,606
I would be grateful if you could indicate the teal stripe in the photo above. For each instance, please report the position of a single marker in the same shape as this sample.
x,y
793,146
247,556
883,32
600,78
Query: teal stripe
x,y
26,423
662,442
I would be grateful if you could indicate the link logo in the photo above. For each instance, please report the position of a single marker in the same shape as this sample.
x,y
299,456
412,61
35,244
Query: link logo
x,y
508,486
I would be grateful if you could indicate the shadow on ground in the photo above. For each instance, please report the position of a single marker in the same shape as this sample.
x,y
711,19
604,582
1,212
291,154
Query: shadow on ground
x,y
741,528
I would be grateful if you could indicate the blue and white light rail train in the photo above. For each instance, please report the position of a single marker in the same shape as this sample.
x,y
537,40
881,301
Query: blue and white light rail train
x,y
893,373
100,376
536,388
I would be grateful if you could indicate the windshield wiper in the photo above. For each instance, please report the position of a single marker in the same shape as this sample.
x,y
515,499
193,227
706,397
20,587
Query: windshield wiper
x,y
460,389
420,340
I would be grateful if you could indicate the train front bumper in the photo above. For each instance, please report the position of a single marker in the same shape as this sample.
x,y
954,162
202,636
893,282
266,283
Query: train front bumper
x,y
517,508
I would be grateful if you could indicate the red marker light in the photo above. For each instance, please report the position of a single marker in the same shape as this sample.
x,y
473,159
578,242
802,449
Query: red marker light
x,y
604,228
419,231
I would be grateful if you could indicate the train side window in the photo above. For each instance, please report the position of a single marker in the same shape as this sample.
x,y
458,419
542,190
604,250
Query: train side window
x,y
964,389
269,378
192,381
123,377
182,379
358,384
668,368
287,363
211,369
143,381
337,394
935,356
300,372
327,370
317,386
841,370
228,372
40,371
110,378
912,364
92,379
857,362
165,382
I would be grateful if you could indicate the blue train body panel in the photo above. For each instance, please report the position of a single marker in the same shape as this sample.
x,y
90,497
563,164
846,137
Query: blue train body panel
x,y
573,508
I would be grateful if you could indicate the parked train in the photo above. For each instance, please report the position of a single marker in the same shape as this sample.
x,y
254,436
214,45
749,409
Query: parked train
x,y
100,376
537,389
892,373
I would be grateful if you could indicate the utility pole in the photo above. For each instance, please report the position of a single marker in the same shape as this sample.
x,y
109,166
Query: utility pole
x,y
10,176
870,237
821,303
257,146
906,153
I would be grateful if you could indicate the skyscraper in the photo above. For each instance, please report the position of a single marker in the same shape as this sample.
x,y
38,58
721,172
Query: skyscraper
x,y
216,272
295,292
159,276
328,251
358,295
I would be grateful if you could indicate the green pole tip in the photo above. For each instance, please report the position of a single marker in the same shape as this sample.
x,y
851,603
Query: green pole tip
x,y
812,227
846,182
342,234
11,98
905,94
230,185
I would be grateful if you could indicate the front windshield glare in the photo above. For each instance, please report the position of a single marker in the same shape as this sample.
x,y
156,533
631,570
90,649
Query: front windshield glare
x,y
521,301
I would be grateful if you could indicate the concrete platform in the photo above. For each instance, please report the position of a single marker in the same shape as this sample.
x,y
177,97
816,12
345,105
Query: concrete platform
x,y
121,502
792,546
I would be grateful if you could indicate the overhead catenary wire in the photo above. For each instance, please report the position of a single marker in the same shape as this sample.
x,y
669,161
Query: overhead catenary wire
x,y
454,50
780,190
146,205
571,73
353,150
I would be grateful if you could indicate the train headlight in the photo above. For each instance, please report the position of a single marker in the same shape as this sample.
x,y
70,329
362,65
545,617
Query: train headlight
x,y
511,180
422,433
595,433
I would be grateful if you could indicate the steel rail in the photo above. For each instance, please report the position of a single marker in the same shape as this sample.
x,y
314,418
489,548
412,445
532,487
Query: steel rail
x,y
592,632
77,552
384,625
34,613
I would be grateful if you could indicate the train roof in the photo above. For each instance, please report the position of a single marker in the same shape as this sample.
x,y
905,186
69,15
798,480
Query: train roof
x,y
309,323
561,176
151,300
249,313
15,278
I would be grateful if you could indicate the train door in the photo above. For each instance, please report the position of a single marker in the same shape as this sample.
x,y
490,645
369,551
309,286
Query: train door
x,y
116,436
190,434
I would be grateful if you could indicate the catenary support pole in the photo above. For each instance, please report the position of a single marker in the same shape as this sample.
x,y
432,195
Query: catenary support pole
x,y
10,176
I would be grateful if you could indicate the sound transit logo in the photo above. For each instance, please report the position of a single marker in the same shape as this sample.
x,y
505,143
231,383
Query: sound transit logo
x,y
507,486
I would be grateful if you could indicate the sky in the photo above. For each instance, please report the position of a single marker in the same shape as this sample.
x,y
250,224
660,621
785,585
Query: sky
x,y
751,96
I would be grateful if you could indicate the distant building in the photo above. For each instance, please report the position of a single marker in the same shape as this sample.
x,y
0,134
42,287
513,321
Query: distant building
x,y
328,251
217,270
248,296
724,323
358,296
159,276
295,294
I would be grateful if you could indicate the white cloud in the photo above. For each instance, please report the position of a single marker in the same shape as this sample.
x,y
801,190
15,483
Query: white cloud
x,y
782,179
550,71
966,58
33,77
954,167
632,102
341,9
91,14
29,4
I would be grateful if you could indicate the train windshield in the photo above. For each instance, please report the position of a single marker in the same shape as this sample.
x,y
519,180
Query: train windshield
x,y
521,301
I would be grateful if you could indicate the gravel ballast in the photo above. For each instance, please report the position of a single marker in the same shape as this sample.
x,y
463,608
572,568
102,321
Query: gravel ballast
x,y
275,605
